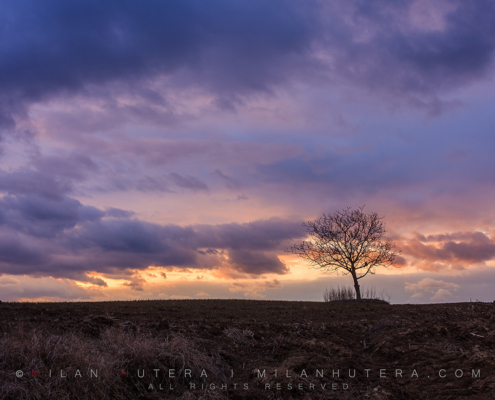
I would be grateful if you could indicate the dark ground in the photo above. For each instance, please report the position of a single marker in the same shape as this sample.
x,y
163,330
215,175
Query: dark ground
x,y
213,337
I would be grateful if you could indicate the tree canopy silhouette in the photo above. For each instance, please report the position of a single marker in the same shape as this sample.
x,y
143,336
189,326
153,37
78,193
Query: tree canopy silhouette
x,y
347,240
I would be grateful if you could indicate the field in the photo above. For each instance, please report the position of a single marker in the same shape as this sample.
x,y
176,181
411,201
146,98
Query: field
x,y
242,349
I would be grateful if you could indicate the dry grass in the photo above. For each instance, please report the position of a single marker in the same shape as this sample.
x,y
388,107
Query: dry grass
x,y
339,293
348,293
238,336
113,351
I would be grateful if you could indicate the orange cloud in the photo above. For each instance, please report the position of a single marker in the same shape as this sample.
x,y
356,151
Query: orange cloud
x,y
453,251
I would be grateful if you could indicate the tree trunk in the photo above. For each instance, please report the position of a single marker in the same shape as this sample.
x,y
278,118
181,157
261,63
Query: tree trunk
x,y
358,290
356,286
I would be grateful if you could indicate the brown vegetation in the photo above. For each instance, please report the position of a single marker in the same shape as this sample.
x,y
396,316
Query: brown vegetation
x,y
345,293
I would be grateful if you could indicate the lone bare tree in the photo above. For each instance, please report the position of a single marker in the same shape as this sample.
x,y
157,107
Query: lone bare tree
x,y
348,240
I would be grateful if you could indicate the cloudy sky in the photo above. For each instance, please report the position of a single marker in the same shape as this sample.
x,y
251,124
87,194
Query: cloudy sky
x,y
173,149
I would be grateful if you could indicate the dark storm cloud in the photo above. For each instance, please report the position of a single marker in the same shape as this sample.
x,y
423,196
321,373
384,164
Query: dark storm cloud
x,y
256,262
63,238
128,236
16,255
58,47
257,235
45,217
138,244
380,46
235,48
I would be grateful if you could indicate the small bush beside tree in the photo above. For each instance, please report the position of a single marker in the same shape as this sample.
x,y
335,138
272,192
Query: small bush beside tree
x,y
345,293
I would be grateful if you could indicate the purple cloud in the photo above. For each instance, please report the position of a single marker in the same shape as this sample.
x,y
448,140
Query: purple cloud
x,y
63,238
188,182
234,50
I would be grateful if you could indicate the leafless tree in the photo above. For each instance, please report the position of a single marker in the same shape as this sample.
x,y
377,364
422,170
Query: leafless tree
x,y
347,240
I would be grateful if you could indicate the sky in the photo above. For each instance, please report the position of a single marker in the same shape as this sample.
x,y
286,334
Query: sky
x,y
164,150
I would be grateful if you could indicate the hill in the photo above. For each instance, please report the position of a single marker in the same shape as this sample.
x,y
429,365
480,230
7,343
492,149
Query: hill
x,y
244,349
